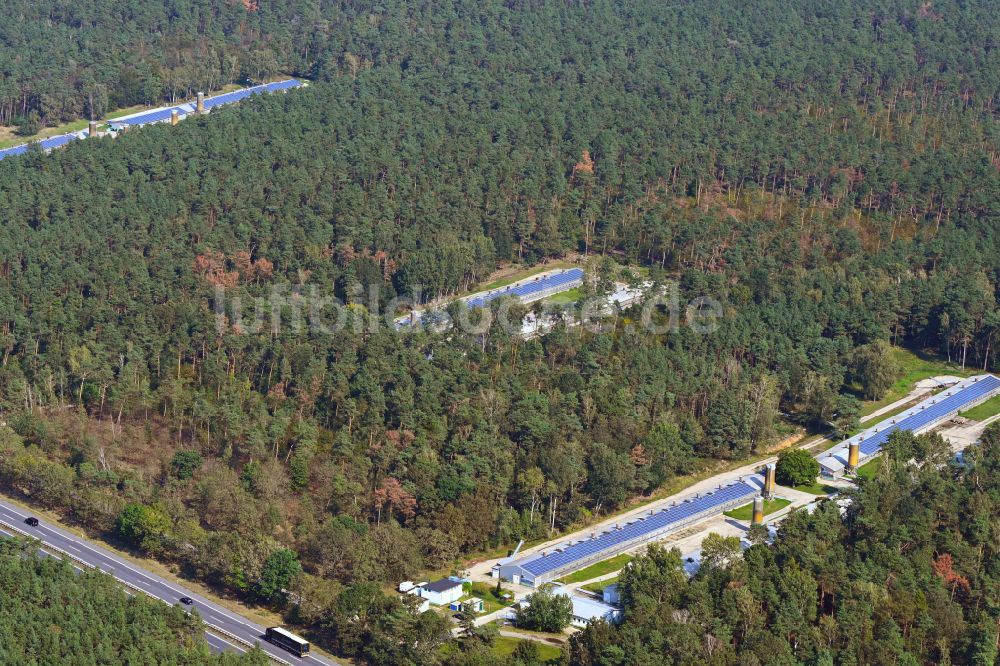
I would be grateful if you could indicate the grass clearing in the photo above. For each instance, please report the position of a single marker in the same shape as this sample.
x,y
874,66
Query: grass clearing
x,y
869,469
8,138
566,297
817,488
638,271
599,569
487,592
984,410
599,586
490,605
118,113
886,415
915,366
745,512
505,646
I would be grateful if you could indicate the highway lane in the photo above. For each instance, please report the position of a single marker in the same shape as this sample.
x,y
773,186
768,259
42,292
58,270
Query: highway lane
x,y
215,643
132,576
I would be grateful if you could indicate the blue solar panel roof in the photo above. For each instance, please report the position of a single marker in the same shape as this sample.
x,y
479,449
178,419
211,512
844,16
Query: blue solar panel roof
x,y
528,289
16,150
44,144
162,115
237,95
158,115
153,116
59,141
660,520
929,411
923,415
525,290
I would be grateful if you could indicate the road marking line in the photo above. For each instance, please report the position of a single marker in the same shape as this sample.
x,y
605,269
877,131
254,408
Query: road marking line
x,y
53,532
117,560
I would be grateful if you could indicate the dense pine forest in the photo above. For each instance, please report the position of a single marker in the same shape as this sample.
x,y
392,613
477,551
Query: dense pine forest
x,y
52,614
827,172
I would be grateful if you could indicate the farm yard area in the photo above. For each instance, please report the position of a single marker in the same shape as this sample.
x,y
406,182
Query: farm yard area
x,y
939,404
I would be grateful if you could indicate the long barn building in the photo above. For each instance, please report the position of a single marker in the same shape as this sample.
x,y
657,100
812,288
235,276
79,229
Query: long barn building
x,y
150,116
541,567
921,418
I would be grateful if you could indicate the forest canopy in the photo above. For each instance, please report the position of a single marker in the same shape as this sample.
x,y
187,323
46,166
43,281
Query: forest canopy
x,y
50,613
827,172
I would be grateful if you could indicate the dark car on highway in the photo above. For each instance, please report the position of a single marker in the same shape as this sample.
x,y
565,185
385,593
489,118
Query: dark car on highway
x,y
31,520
